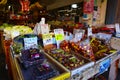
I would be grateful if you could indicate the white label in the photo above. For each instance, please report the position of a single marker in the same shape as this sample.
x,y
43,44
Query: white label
x,y
89,32
44,29
78,36
30,43
117,28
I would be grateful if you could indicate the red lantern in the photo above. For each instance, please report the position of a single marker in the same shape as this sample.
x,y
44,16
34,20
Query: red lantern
x,y
25,5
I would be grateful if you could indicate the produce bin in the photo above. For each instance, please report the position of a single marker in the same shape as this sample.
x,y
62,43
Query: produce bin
x,y
76,72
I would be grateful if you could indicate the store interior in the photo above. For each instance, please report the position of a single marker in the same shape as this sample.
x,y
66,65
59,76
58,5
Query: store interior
x,y
59,40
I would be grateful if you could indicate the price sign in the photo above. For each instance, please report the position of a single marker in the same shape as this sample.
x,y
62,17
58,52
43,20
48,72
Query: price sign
x,y
117,28
104,65
30,43
78,36
64,76
47,39
89,31
59,34
59,37
44,28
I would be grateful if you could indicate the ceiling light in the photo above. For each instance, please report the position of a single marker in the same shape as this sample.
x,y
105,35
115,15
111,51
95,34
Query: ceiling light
x,y
74,6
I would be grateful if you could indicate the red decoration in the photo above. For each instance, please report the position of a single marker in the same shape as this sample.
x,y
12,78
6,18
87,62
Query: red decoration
x,y
25,5
88,6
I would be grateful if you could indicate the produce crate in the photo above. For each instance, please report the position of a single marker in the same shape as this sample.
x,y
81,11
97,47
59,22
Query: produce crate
x,y
95,69
75,73
65,74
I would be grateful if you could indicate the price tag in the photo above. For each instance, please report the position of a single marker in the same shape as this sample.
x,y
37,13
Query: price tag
x,y
78,36
15,33
59,34
30,43
89,32
104,65
47,39
64,76
44,28
59,37
117,28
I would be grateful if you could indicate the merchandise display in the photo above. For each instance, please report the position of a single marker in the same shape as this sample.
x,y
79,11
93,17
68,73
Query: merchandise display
x,y
67,59
73,55
59,40
31,57
93,48
60,53
13,31
44,72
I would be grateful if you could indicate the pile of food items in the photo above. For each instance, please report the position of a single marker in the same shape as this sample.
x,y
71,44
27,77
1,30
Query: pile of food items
x,y
5,25
18,29
44,72
92,48
67,59
31,57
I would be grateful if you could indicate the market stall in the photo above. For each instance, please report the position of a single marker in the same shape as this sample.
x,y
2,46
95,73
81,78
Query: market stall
x,y
63,49
60,55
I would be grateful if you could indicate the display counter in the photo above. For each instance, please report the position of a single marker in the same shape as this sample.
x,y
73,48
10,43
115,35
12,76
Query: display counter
x,y
20,73
82,72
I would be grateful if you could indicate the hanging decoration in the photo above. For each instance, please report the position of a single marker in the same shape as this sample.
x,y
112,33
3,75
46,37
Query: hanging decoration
x,y
88,6
3,2
25,5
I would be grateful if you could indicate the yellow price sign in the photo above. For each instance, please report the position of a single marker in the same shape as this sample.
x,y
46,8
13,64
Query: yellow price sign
x,y
64,76
59,37
47,36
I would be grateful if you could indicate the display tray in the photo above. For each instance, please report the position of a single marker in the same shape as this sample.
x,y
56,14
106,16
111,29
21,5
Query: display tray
x,y
28,72
75,72
96,69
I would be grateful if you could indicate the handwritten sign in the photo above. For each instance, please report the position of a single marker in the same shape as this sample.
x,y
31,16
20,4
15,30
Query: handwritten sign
x,y
59,34
78,36
47,39
30,43
89,31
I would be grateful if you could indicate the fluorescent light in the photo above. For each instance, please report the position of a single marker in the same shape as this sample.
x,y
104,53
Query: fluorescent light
x,y
74,6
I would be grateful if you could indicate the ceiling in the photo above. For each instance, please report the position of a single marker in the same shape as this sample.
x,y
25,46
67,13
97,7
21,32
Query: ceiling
x,y
48,4
42,2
